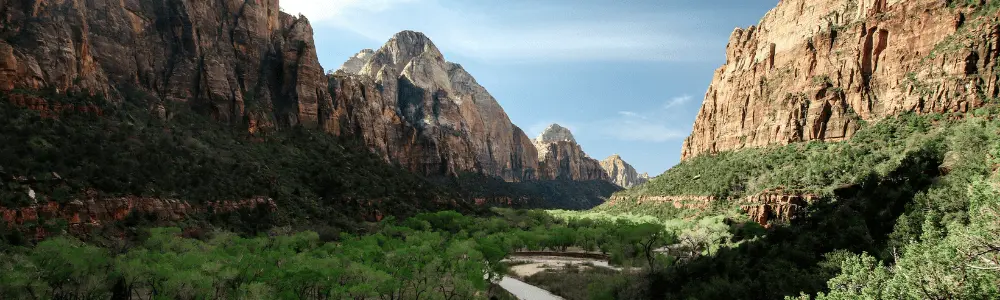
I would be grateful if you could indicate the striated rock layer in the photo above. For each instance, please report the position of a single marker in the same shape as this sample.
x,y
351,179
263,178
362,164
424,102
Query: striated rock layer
x,y
560,157
622,173
813,69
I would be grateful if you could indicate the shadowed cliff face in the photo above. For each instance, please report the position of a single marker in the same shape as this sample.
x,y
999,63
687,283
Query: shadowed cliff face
x,y
812,70
227,58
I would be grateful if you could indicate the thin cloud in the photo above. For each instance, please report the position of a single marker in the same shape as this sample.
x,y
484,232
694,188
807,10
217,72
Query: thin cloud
x,y
515,35
677,101
656,125
325,10
640,131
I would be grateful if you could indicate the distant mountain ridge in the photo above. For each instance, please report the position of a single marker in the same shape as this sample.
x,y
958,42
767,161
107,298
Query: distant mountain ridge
x,y
450,110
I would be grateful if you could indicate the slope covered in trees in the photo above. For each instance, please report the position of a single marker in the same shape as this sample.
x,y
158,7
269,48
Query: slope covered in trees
x,y
149,149
906,210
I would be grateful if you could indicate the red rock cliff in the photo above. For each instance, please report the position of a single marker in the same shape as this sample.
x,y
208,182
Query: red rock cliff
x,y
226,57
812,69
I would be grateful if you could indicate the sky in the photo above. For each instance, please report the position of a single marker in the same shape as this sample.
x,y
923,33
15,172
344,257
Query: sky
x,y
626,77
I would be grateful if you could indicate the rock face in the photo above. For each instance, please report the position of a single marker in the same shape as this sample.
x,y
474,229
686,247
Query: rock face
x,y
775,205
812,69
622,173
354,64
247,63
408,103
235,60
560,157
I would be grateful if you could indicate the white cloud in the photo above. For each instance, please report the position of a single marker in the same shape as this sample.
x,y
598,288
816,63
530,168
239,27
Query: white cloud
x,y
644,131
490,34
324,10
655,125
677,101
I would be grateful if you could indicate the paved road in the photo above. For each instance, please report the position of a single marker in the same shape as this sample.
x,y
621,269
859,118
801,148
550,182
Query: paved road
x,y
526,291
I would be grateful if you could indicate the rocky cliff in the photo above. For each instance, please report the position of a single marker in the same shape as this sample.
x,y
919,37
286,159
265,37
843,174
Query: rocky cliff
x,y
813,70
235,60
622,173
560,157
407,102
245,62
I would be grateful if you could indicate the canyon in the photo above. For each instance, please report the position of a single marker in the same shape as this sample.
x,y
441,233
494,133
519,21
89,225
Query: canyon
x,y
249,64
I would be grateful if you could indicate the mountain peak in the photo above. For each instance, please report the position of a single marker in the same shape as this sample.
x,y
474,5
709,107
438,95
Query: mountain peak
x,y
622,173
555,133
354,64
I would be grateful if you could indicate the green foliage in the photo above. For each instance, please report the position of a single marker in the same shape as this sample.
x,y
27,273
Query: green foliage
x,y
442,255
813,167
129,151
899,191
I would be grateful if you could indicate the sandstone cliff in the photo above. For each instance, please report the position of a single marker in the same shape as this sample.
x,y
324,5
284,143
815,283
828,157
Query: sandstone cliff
x,y
235,60
622,173
812,70
560,157
245,62
426,113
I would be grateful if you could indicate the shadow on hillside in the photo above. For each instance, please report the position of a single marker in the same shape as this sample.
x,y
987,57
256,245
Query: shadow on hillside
x,y
789,259
535,194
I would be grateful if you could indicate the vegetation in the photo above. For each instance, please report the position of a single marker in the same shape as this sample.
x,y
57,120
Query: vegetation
x,y
907,212
813,167
317,180
128,150
578,283
443,255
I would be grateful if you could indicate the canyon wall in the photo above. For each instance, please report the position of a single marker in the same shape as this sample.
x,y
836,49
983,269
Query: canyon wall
x,y
813,70
235,60
248,64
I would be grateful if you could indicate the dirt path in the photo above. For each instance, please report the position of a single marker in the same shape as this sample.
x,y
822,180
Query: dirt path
x,y
526,291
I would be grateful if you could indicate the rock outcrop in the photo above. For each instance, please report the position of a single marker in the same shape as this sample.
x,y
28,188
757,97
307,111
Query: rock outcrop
x,y
426,113
813,69
560,157
775,205
622,173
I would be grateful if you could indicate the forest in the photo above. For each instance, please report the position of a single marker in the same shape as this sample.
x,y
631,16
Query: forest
x,y
443,255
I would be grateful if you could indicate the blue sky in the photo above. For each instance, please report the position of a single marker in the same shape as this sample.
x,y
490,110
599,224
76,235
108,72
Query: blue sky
x,y
626,77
